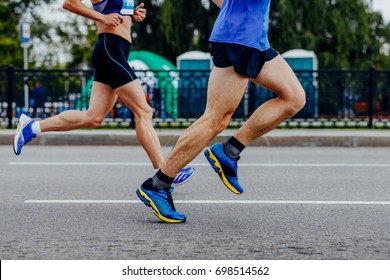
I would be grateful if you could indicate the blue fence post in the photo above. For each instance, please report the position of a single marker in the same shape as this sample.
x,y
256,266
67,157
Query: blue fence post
x,y
10,93
371,96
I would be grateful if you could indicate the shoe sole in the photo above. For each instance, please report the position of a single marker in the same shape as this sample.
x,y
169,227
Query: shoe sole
x,y
142,199
216,165
143,196
21,124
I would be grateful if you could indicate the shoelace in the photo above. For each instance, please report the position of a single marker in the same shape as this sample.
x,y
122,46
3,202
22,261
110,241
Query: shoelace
x,y
169,199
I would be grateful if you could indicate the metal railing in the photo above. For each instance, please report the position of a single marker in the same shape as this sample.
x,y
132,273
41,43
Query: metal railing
x,y
335,98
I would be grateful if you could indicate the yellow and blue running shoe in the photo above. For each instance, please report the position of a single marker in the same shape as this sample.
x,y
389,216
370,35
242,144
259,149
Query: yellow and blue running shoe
x,y
182,177
23,134
161,202
226,167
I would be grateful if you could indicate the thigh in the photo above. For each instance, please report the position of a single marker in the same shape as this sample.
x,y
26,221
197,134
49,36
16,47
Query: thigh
x,y
225,90
102,99
277,76
133,95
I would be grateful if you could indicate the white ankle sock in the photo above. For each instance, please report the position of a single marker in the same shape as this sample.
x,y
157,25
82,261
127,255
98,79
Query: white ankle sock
x,y
36,128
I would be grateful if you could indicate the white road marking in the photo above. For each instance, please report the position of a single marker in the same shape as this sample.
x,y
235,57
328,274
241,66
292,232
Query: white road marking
x,y
302,202
315,202
205,164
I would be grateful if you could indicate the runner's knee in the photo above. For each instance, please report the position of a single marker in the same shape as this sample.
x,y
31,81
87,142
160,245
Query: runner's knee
x,y
93,121
296,100
146,112
218,122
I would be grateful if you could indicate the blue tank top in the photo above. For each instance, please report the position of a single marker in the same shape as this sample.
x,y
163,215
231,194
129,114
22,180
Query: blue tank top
x,y
122,7
243,22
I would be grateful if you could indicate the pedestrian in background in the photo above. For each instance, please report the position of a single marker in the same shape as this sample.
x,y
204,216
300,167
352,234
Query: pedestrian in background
x,y
37,100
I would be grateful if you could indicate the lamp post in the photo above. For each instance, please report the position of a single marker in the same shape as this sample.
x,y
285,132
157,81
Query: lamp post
x,y
25,43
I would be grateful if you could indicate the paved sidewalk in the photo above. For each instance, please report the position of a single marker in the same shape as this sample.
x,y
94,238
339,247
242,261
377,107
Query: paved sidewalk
x,y
168,137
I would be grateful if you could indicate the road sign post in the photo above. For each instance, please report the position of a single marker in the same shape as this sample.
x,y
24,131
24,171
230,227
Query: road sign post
x,y
25,38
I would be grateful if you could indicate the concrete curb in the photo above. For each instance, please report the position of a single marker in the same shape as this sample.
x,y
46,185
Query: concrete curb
x,y
168,137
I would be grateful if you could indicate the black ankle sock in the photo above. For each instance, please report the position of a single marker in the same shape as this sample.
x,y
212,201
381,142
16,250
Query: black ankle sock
x,y
232,147
161,181
165,178
148,184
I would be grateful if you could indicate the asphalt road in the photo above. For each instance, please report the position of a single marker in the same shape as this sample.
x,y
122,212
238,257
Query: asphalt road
x,y
59,202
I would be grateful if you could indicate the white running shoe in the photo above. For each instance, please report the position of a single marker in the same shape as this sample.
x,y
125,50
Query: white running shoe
x,y
24,133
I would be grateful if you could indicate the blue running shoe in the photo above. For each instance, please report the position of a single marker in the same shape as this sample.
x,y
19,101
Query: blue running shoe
x,y
162,204
225,166
23,134
183,176
147,202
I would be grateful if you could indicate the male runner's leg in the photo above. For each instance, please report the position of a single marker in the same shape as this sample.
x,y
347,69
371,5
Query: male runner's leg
x,y
278,77
225,91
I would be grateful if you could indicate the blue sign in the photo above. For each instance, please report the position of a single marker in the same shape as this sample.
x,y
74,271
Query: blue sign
x,y
25,33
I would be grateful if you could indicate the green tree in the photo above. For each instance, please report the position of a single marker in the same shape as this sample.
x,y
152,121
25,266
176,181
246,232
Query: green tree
x,y
175,26
11,12
178,25
343,33
77,36
146,35
43,50
49,38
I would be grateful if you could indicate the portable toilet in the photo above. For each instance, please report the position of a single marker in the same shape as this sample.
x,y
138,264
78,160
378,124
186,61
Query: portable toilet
x,y
194,72
194,60
300,59
305,64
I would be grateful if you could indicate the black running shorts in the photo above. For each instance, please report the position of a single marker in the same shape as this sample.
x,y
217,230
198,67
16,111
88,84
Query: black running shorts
x,y
110,60
245,60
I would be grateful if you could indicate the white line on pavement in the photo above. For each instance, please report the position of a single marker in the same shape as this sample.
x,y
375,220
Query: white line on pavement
x,y
315,202
206,164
